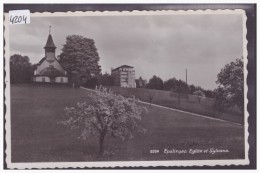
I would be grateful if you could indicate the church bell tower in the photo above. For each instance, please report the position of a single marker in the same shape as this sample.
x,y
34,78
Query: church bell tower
x,y
50,48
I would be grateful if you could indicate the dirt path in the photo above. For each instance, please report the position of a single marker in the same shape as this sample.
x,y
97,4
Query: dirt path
x,y
189,113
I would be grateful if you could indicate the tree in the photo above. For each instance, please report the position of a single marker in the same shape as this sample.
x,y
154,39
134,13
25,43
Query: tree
x,y
79,57
222,102
192,89
150,96
140,83
105,113
21,70
209,93
155,83
230,82
181,89
169,84
106,80
91,82
199,94
101,79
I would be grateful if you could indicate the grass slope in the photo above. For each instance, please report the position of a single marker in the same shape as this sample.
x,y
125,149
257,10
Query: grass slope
x,y
36,136
191,104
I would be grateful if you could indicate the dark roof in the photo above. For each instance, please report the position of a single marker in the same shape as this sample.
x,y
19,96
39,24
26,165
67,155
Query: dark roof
x,y
51,72
50,43
123,66
41,61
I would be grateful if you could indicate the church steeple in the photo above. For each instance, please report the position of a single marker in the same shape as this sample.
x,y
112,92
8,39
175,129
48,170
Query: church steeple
x,y
50,46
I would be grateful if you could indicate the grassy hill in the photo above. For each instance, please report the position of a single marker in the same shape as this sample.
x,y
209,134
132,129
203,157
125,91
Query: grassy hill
x,y
36,136
190,104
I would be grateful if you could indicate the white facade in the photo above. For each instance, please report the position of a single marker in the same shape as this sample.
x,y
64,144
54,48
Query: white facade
x,y
47,79
124,76
42,79
61,80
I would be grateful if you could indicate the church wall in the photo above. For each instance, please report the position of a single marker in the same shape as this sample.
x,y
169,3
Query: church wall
x,y
61,80
40,79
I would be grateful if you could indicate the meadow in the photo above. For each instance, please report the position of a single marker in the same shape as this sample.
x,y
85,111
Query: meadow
x,y
37,137
190,103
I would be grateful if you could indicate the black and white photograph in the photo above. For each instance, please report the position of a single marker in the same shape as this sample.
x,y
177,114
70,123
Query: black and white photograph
x,y
139,88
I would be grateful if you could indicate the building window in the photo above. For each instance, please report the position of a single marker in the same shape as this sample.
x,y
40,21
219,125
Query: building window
x,y
61,80
43,79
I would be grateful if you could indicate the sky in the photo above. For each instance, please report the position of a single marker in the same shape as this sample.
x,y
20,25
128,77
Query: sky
x,y
164,46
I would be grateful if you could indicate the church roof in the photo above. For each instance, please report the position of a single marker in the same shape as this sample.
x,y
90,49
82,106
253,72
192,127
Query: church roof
x,y
51,72
41,61
50,43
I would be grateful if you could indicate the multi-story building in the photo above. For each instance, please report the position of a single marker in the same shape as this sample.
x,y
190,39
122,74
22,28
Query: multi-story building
x,y
124,76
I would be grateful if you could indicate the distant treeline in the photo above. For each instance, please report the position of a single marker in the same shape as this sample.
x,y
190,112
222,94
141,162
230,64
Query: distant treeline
x,y
155,82
174,84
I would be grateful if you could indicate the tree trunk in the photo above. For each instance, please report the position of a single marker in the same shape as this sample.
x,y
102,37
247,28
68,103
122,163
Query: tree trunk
x,y
101,144
179,99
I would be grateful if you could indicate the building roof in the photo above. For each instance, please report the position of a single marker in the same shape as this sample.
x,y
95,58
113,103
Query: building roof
x,y
51,72
123,66
50,43
43,59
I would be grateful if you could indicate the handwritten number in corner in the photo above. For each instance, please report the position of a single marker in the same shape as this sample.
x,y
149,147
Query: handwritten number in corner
x,y
18,19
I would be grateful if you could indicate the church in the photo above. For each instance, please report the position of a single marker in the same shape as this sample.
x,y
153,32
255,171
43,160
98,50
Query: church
x,y
49,70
